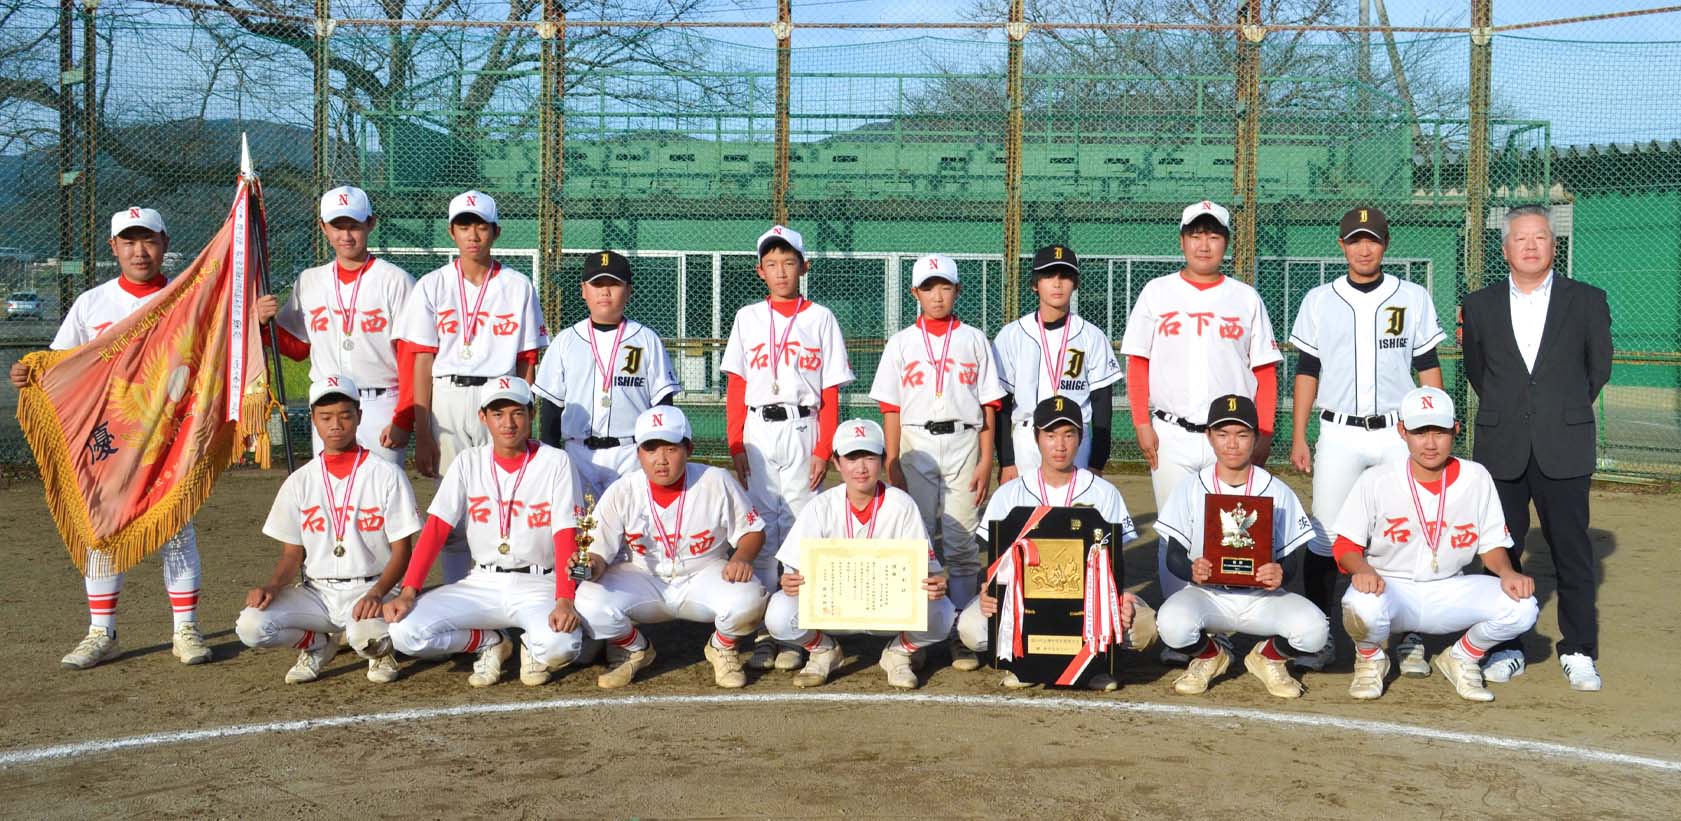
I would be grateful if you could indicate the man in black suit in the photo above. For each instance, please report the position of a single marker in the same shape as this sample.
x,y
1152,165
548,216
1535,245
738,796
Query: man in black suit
x,y
1537,351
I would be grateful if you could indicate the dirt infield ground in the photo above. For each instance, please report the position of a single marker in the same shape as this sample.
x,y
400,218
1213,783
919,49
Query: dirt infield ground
x,y
673,745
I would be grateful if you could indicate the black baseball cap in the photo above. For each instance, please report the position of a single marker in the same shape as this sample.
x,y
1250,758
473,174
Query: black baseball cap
x,y
606,264
1052,257
1233,408
1057,410
1364,220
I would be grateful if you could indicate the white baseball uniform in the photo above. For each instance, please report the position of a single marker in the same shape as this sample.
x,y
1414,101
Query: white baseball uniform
x,y
1036,363
345,524
1201,343
603,380
1365,342
666,555
1393,518
939,463
350,330
786,362
510,512
1197,609
893,515
95,310
508,323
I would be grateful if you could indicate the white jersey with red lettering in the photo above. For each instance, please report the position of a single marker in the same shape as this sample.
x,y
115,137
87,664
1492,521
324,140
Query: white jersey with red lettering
x,y
520,509
1087,490
810,354
350,327
955,392
1201,342
690,535
99,308
1036,363
829,516
507,321
345,524
1412,533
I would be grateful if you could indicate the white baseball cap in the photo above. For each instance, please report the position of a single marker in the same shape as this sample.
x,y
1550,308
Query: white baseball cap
x,y
346,201
662,423
1206,208
1427,408
511,388
784,233
473,202
855,435
146,218
933,266
334,386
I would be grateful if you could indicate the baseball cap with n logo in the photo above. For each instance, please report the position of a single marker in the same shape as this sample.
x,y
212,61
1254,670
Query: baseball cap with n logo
x,y
476,203
333,386
133,217
511,388
1427,407
663,423
346,201
860,436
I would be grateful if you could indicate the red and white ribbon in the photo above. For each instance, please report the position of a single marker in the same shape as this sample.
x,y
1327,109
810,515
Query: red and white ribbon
x,y
1101,627
939,365
349,314
605,367
1011,565
470,321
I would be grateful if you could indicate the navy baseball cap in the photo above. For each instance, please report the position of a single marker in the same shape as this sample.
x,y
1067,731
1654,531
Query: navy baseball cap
x,y
1233,408
1050,258
606,264
1057,410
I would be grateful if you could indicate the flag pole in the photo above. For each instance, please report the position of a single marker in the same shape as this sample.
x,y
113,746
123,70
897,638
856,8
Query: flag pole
x,y
271,341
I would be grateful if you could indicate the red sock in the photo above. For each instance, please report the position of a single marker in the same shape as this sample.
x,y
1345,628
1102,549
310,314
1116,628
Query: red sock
x,y
1469,649
307,641
629,640
724,641
474,639
816,639
1368,651
1270,650
1210,649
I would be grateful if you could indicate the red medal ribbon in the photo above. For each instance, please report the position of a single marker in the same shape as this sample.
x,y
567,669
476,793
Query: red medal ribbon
x,y
1432,536
1054,369
469,322
1045,494
939,365
875,505
776,351
340,518
1012,563
668,538
349,315
606,367
1248,481
505,510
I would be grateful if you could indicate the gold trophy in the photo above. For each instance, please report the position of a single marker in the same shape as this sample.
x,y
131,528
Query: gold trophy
x,y
580,567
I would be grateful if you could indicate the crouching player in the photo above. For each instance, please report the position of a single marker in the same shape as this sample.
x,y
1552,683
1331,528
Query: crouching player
x,y
863,507
517,501
345,521
1290,624
1404,553
661,550
1058,427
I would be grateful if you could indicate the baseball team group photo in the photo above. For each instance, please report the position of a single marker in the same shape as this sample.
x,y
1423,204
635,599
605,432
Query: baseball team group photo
x,y
1348,505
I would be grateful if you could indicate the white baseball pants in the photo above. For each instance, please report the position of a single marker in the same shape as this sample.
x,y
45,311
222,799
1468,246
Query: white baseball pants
x,y
377,410
778,481
782,619
443,619
937,471
1023,439
1475,604
1195,611
600,468
456,425
634,596
1343,453
319,606
1180,454
971,626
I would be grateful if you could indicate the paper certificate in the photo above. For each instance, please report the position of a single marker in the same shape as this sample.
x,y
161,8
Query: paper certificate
x,y
863,584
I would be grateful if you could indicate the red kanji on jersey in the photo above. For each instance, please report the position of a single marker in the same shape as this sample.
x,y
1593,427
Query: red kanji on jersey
x,y
1169,326
313,521
447,323
505,326
539,516
100,328
373,322
912,377
701,542
1231,328
634,542
478,508
1464,535
1395,532
1203,319
811,360
318,319
970,374
371,519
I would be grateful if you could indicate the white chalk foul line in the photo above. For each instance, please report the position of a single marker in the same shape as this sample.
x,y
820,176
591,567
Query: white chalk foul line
x,y
59,752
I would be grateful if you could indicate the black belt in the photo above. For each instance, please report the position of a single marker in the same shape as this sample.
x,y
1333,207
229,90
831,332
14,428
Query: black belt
x,y
308,579
1378,422
1187,425
947,427
605,442
529,569
374,391
465,381
779,413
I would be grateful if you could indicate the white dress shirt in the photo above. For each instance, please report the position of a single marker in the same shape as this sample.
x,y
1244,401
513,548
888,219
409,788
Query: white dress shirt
x,y
1529,316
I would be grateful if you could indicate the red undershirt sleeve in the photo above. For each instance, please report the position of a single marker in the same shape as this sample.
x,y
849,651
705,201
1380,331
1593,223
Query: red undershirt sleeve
x,y
1343,547
565,547
1266,396
735,413
426,551
887,408
1138,389
529,357
828,418
404,415
290,346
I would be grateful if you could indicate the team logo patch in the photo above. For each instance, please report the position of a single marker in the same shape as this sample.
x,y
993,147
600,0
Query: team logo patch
x,y
1076,363
633,359
1397,320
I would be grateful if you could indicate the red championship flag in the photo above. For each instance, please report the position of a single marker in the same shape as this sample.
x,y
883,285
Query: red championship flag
x,y
132,429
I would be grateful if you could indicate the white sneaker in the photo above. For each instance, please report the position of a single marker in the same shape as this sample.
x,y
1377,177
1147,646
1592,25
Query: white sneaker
x,y
1010,682
310,662
1368,676
487,670
623,665
1414,662
764,655
897,663
1464,674
726,666
188,644
789,658
1272,673
1316,662
962,658
532,673
1503,666
1582,672
97,646
1201,671
819,664
383,669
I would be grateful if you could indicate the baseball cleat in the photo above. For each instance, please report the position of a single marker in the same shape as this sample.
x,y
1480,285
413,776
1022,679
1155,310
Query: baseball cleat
x,y
623,664
309,663
97,646
532,673
383,669
1010,681
1142,633
962,658
789,658
1503,666
1200,671
1174,658
897,663
1272,673
1464,674
1316,662
1103,683
1582,672
487,670
1369,672
819,664
726,666
1414,662
764,656
188,644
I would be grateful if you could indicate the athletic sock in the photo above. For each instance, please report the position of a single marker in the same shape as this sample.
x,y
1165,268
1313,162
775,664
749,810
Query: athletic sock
x,y
480,639
102,601
723,642
633,642
1469,651
184,603
1269,649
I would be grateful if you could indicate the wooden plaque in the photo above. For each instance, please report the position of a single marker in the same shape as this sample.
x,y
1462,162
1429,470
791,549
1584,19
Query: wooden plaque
x,y
1236,537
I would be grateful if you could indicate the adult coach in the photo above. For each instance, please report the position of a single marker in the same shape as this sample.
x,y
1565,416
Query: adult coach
x,y
1361,337
1537,352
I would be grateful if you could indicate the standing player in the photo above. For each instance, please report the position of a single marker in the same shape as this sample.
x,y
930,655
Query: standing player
x,y
138,241
1052,352
344,521
516,501
674,541
1194,335
466,323
1289,624
1361,337
863,507
1405,534
340,318
938,388
1057,482
786,361
599,375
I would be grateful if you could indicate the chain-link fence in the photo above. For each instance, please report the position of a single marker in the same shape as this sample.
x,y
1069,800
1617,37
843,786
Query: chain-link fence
x,y
677,131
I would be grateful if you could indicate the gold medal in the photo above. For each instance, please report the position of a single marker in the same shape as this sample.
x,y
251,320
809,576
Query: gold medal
x,y
339,549
503,548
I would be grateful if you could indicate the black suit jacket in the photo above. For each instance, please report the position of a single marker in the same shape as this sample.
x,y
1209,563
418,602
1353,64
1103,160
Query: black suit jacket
x,y
1548,412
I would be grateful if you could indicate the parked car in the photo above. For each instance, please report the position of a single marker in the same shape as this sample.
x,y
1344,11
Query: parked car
x,y
23,304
